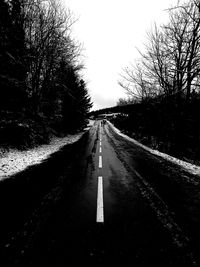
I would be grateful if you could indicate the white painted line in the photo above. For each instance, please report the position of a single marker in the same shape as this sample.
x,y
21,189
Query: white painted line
x,y
100,212
100,150
100,161
100,143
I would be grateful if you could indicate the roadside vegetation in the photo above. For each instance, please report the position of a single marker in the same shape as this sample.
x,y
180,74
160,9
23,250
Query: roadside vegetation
x,y
42,91
163,105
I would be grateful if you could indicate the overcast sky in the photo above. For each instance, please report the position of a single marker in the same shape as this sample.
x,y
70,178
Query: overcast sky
x,y
110,31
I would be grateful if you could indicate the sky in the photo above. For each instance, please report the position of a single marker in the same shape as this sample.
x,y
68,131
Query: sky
x,y
111,31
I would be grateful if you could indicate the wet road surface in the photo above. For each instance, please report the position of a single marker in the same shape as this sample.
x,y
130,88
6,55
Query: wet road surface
x,y
108,202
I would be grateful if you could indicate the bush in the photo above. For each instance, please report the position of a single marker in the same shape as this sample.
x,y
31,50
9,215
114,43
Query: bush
x,y
22,134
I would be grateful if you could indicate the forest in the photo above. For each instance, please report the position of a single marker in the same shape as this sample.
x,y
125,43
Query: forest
x,y
163,105
42,89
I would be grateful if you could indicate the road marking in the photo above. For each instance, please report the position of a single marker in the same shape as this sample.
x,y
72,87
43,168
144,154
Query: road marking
x,y
100,143
100,213
100,161
100,150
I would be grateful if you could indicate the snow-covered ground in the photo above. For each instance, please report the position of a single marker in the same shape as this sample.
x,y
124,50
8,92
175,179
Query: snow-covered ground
x,y
194,169
90,124
15,161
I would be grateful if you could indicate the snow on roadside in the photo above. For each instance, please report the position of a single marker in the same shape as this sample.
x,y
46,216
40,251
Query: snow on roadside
x,y
90,124
194,169
15,161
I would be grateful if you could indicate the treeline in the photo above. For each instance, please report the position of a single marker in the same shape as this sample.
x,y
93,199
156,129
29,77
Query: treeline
x,y
125,108
41,87
163,86
163,107
161,124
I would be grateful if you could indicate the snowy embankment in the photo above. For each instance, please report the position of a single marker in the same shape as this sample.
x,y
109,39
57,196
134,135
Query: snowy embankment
x,y
194,169
15,161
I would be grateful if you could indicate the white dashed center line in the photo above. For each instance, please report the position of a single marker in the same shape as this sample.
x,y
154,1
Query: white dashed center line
x,y
100,212
100,161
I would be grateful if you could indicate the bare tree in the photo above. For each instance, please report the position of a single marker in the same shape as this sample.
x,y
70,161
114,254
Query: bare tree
x,y
48,40
183,33
170,64
136,82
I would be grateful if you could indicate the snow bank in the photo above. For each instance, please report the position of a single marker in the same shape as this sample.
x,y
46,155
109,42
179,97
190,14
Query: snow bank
x,y
15,161
194,169
90,124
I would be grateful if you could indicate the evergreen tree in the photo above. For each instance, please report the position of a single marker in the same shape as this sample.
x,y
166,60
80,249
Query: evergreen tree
x,y
77,102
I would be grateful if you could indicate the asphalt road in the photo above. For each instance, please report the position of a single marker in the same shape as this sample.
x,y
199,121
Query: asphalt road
x,y
101,201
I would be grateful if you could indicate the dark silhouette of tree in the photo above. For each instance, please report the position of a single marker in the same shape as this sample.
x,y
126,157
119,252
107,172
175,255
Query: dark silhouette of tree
x,y
165,82
40,84
170,64
12,64
12,71
5,24
124,101
77,102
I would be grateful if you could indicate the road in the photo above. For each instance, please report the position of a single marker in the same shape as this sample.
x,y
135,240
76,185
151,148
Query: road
x,y
102,201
